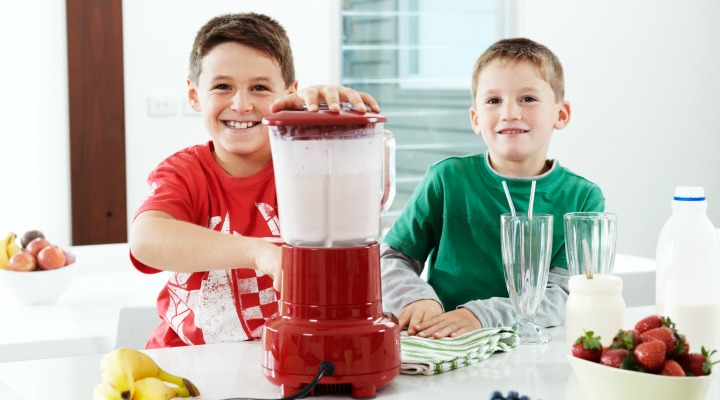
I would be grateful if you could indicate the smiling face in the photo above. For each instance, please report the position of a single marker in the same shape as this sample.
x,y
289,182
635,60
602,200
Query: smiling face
x,y
235,89
515,112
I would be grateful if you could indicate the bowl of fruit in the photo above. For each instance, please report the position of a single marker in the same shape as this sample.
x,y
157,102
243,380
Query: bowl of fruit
x,y
651,361
33,270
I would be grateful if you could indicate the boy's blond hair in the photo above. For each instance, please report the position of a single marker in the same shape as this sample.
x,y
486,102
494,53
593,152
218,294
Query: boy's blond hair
x,y
521,49
251,29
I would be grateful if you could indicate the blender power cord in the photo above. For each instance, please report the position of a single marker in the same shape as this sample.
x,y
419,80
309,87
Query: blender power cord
x,y
325,368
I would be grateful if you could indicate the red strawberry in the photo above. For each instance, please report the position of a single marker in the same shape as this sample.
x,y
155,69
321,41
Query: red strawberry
x,y
647,323
613,357
697,364
671,368
650,355
587,347
683,347
653,321
663,334
628,340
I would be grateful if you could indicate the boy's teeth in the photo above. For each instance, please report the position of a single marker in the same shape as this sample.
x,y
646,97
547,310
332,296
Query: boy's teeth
x,y
241,125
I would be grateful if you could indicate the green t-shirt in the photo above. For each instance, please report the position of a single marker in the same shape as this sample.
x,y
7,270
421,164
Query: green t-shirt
x,y
453,220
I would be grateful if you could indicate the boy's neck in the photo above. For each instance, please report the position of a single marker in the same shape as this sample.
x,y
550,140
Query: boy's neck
x,y
520,169
242,165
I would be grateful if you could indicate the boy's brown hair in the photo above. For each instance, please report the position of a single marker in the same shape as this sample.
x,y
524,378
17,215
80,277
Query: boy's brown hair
x,y
521,49
251,29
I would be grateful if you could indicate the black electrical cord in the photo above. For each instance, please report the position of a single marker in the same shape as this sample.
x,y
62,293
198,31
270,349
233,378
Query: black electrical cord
x,y
325,368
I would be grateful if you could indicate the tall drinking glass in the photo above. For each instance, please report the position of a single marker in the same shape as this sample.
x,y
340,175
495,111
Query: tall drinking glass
x,y
526,247
590,242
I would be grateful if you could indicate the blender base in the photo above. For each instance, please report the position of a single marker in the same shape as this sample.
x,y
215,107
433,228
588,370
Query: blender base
x,y
357,386
331,310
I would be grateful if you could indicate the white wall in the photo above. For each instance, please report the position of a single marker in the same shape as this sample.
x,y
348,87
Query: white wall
x,y
34,147
642,78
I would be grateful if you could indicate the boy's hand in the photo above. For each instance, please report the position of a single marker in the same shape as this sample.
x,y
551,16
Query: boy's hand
x,y
268,260
452,323
414,313
312,96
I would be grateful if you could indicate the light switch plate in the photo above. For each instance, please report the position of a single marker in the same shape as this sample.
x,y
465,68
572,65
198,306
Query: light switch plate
x,y
162,106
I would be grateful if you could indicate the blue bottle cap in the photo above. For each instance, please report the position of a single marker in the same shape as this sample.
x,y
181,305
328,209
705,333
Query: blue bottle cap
x,y
689,193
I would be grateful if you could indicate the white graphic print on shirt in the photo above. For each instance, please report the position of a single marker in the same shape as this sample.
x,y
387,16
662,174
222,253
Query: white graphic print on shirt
x,y
182,302
214,304
216,314
268,212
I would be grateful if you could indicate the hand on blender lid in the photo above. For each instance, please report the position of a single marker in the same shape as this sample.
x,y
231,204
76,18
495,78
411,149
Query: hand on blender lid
x,y
335,98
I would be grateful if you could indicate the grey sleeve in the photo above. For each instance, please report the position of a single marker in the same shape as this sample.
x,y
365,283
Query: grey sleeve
x,y
400,280
551,311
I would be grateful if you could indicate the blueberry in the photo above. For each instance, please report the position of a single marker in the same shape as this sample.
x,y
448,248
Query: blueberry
x,y
497,395
513,395
524,398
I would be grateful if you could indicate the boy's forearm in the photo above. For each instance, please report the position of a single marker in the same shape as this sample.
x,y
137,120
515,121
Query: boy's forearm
x,y
551,311
401,282
161,242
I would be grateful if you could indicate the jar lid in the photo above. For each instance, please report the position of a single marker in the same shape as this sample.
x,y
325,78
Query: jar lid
x,y
346,116
599,283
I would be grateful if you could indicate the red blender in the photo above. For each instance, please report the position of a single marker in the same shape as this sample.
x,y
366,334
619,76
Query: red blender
x,y
335,176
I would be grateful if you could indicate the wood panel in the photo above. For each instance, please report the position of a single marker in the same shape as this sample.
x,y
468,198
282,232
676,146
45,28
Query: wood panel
x,y
97,121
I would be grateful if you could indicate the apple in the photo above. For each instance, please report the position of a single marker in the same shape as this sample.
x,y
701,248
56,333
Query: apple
x,y
36,245
51,257
22,261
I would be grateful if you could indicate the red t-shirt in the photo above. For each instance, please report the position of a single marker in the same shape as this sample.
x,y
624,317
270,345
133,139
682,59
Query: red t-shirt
x,y
222,305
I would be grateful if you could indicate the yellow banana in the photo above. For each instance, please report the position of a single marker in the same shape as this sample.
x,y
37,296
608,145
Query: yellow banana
x,y
3,250
117,374
122,367
103,391
12,246
155,389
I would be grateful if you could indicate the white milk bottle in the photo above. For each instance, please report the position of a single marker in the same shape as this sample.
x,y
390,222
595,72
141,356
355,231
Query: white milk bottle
x,y
688,270
594,305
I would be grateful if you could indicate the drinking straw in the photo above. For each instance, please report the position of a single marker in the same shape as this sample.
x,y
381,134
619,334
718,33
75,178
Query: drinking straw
x,y
532,199
507,194
523,289
526,278
588,263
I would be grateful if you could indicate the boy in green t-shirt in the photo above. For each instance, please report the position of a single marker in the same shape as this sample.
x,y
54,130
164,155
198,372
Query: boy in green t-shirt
x,y
452,221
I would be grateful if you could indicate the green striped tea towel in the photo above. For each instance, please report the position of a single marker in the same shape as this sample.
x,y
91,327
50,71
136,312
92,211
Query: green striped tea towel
x,y
428,356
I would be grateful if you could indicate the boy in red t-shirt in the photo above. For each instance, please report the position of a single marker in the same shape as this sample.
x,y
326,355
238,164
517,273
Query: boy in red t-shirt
x,y
210,216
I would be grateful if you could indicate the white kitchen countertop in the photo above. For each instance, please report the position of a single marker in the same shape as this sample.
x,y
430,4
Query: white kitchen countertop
x,y
85,319
234,369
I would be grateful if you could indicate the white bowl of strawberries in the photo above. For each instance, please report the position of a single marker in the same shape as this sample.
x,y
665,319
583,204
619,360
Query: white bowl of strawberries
x,y
651,361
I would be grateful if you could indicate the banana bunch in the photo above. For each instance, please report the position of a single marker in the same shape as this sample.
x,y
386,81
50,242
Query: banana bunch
x,y
8,248
133,375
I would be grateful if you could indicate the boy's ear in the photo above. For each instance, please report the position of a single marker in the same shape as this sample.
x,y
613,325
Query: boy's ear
x,y
193,96
294,88
563,116
474,120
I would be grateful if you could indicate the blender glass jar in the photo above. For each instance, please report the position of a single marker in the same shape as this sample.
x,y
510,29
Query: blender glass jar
x,y
334,174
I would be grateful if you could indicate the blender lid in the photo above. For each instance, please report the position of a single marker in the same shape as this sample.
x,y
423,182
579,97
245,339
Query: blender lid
x,y
346,116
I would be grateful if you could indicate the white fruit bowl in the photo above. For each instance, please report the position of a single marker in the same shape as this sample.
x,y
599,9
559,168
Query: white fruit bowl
x,y
604,383
39,286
